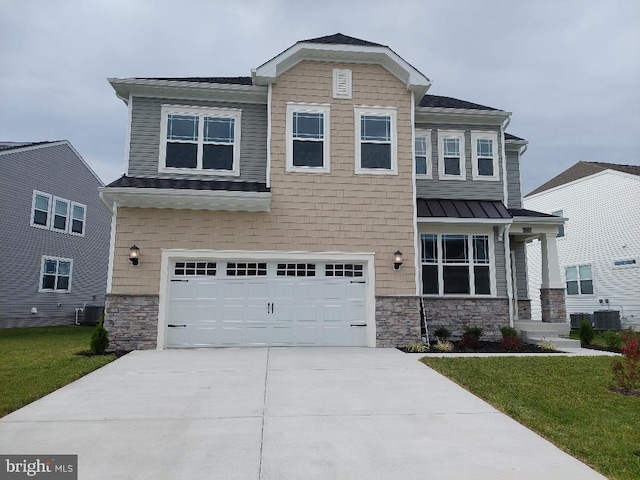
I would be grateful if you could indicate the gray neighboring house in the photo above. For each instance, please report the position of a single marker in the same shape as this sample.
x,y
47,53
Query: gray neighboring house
x,y
54,241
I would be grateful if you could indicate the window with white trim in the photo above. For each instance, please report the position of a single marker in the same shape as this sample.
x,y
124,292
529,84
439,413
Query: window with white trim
x,y
484,154
457,264
195,268
451,156
376,142
308,132
296,270
58,214
579,280
246,269
341,83
55,274
422,152
344,270
206,140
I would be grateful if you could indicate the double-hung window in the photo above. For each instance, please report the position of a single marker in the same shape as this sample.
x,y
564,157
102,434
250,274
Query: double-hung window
x,y
422,152
376,142
60,214
484,152
205,140
308,133
579,280
55,274
41,209
456,264
451,156
57,214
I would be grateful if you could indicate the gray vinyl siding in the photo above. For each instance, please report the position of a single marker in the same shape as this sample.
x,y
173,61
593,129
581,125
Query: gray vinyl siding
x,y
144,147
513,180
501,276
55,170
467,189
520,251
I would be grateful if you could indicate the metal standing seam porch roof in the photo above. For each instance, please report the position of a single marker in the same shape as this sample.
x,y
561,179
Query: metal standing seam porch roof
x,y
440,208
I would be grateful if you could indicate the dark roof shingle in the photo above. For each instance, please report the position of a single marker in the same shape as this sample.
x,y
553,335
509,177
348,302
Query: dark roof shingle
x,y
581,170
439,101
186,184
14,145
340,39
222,80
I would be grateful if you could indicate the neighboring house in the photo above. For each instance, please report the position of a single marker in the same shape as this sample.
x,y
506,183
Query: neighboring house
x,y
54,241
317,202
599,248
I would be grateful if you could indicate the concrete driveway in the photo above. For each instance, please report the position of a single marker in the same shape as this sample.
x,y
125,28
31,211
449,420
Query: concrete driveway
x,y
280,414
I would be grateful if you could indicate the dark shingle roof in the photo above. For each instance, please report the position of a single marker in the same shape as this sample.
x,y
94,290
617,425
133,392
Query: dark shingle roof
x,y
340,39
185,184
449,102
435,207
522,212
581,170
13,145
508,136
223,80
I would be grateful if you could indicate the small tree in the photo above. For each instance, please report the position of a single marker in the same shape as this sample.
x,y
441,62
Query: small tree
x,y
586,332
626,371
100,338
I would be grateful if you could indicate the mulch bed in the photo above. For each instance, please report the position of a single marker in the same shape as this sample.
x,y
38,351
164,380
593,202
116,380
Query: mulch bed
x,y
602,349
489,347
622,391
117,353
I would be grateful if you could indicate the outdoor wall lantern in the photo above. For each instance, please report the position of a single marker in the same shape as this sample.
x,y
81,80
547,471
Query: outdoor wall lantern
x,y
397,260
134,255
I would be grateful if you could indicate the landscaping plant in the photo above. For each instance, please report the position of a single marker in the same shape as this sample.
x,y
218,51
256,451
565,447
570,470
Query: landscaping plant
x,y
443,346
471,338
417,347
586,332
612,339
626,371
510,340
443,333
100,338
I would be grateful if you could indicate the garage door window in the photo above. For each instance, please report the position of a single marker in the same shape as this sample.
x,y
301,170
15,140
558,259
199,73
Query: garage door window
x,y
246,269
296,270
195,268
344,270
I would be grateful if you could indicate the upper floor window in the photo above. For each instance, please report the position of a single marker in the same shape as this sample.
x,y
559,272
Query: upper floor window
x,y
376,143
451,161
579,280
341,83
423,153
55,274
58,214
559,213
484,155
206,140
308,135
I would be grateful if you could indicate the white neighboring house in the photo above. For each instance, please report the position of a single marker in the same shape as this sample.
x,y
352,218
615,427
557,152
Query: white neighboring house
x,y
599,246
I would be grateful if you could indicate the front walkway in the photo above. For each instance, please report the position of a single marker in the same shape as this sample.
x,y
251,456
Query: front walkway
x,y
280,414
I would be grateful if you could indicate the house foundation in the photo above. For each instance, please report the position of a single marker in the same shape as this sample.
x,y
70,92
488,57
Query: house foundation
x,y
397,321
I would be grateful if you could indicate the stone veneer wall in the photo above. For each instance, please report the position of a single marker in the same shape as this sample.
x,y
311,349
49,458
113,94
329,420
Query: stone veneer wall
x,y
457,313
397,321
552,305
131,321
524,310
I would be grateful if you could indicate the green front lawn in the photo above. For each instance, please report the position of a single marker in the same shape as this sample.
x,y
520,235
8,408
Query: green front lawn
x,y
566,400
37,361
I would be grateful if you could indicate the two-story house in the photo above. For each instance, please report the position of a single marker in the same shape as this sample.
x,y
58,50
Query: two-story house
x,y
321,201
54,241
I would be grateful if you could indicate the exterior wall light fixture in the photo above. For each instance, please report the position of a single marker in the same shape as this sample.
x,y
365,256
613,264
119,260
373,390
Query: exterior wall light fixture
x,y
397,260
134,255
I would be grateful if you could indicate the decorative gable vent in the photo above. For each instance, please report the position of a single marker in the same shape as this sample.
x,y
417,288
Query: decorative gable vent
x,y
341,83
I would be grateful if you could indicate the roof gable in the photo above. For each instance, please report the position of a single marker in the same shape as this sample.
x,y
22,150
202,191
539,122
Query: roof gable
x,y
340,39
581,170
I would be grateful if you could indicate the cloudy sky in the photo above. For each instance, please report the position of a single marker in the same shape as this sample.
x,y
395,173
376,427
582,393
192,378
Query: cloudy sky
x,y
568,70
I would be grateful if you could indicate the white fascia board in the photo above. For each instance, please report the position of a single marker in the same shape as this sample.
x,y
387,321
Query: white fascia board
x,y
189,199
584,179
460,115
384,56
518,221
466,221
187,90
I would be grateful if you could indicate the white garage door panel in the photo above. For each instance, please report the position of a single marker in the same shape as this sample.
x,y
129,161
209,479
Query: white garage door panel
x,y
269,310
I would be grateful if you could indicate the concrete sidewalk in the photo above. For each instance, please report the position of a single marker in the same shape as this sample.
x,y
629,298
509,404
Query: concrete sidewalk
x,y
280,414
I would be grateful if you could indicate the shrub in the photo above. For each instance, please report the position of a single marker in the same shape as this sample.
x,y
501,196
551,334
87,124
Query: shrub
x,y
443,333
100,338
471,338
547,345
612,339
508,332
443,346
586,332
511,343
417,347
626,371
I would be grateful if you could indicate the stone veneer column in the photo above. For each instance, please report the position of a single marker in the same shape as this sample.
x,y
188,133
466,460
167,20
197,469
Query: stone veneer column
x,y
131,321
552,305
397,321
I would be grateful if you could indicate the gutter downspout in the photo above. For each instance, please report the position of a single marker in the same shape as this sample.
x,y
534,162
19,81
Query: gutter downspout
x,y
507,264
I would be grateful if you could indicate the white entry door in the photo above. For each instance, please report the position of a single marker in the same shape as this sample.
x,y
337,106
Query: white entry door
x,y
236,303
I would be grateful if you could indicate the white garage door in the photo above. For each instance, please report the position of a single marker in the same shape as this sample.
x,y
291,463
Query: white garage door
x,y
239,303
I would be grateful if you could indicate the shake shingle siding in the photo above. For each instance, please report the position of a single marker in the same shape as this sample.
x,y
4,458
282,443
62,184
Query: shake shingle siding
x,y
144,148
58,171
513,180
469,189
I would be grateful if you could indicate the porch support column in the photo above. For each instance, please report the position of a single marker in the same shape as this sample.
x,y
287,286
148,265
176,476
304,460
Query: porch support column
x,y
552,300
